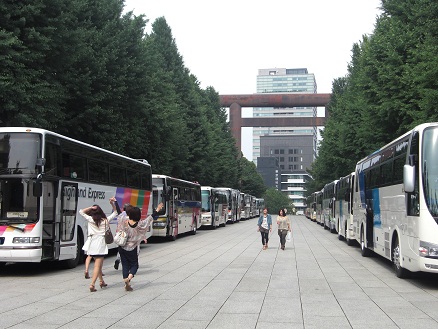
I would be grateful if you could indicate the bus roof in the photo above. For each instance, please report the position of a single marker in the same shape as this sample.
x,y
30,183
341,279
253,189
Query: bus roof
x,y
48,132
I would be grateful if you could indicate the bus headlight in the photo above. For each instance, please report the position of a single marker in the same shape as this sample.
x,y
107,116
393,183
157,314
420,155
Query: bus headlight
x,y
428,249
26,240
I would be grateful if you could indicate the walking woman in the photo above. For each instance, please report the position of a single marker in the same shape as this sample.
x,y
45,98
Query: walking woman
x,y
265,227
136,229
284,226
95,245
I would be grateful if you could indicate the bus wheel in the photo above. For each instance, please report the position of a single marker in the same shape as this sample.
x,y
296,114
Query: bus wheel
x,y
399,270
363,250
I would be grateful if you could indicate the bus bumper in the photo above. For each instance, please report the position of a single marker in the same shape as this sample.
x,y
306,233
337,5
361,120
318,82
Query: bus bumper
x,y
24,255
206,221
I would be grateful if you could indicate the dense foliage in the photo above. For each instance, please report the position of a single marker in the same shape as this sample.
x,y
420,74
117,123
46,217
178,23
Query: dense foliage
x,y
86,70
276,200
391,86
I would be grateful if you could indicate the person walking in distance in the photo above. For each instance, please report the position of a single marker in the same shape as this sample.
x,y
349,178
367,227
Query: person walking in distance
x,y
95,245
264,226
136,229
284,226
123,215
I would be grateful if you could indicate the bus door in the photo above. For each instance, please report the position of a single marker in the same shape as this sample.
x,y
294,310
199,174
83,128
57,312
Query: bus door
x,y
49,232
65,224
173,213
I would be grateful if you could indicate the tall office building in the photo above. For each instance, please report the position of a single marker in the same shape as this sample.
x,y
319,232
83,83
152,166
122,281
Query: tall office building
x,y
294,147
281,80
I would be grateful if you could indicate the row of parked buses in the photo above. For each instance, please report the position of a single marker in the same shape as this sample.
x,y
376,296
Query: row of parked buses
x,y
45,178
389,204
223,205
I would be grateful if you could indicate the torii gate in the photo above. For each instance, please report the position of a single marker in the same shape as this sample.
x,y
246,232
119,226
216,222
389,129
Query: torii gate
x,y
236,102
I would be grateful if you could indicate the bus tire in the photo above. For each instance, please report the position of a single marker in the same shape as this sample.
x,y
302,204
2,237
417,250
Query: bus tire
x,y
363,250
400,271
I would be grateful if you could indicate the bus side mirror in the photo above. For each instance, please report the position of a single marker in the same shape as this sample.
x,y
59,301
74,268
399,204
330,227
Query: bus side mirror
x,y
409,178
40,162
37,188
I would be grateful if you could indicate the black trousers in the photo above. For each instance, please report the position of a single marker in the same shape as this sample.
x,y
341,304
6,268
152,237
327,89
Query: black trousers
x,y
265,235
282,234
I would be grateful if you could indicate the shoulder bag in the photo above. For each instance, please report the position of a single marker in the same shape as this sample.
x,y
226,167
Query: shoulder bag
x,y
108,234
121,237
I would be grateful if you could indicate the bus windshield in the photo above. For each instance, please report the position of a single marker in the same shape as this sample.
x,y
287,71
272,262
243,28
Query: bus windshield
x,y
430,170
19,153
205,200
17,203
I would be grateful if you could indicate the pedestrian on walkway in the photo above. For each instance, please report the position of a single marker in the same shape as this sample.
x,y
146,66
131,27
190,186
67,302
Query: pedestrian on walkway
x,y
95,246
265,227
123,215
284,226
136,229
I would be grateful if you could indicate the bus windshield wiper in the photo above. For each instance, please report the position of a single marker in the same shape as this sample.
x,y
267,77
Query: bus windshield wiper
x,y
18,228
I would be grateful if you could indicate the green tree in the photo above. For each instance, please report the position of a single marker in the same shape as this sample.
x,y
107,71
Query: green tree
x,y
251,181
276,200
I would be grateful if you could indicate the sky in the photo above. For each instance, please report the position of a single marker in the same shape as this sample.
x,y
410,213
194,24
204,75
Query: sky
x,y
224,43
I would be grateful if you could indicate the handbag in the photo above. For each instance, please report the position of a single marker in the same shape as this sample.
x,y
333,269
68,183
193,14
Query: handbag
x,y
108,234
120,238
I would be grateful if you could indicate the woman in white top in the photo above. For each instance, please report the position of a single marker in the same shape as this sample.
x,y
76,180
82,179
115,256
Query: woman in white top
x,y
95,245
284,226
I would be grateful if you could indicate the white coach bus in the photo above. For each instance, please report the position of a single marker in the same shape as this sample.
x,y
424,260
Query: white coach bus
x,y
214,207
396,201
328,206
344,208
182,206
45,178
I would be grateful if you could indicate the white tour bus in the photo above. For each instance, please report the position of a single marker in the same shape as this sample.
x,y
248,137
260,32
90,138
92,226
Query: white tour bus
x,y
45,178
247,206
344,208
260,205
242,206
396,201
328,206
214,207
233,204
182,206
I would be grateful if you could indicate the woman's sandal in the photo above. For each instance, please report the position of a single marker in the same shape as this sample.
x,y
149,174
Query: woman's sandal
x,y
102,284
87,276
127,285
92,288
